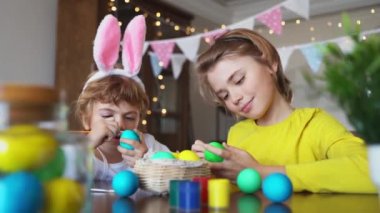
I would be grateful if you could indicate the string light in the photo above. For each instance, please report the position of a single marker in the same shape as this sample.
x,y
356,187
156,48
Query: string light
x,y
312,38
358,22
160,77
364,37
149,112
144,122
158,23
223,26
339,25
163,111
329,24
283,23
126,1
155,99
161,64
162,86
298,21
373,11
158,14
271,31
120,23
312,29
137,9
113,8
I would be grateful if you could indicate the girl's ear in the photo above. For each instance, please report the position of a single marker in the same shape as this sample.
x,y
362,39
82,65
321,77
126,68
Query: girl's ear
x,y
86,122
107,43
274,68
133,44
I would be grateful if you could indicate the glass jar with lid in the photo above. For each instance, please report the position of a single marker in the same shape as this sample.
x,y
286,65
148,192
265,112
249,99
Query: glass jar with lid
x,y
42,166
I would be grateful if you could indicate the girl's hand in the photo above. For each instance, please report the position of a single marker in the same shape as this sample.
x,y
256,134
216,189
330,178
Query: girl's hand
x,y
131,156
199,147
103,130
236,160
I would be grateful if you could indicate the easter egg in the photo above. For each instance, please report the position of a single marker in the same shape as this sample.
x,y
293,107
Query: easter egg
x,y
248,180
64,195
53,169
125,183
212,157
162,155
130,135
175,154
123,205
20,192
277,187
188,155
23,149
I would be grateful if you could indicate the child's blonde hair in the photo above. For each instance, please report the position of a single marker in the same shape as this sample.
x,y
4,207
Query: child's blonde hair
x,y
111,89
241,42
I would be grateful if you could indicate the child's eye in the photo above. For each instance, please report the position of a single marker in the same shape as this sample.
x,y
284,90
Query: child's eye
x,y
106,116
225,97
130,118
241,80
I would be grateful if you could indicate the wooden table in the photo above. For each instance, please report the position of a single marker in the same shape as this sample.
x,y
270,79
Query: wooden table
x,y
142,201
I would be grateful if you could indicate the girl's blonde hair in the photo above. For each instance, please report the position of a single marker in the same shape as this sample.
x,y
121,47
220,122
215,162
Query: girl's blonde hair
x,y
241,42
111,89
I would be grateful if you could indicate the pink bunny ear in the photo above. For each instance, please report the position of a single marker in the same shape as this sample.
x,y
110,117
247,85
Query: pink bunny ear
x,y
107,43
133,44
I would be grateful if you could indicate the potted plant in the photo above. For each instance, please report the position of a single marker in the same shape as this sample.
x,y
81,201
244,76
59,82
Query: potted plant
x,y
354,80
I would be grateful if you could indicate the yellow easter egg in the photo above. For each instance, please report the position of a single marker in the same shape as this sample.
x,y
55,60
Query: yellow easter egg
x,y
175,154
25,149
188,155
63,195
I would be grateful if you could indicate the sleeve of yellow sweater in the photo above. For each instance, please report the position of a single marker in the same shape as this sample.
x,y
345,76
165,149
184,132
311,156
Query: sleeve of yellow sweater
x,y
343,166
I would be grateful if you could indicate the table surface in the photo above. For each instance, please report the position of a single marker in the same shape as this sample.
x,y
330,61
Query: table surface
x,y
143,201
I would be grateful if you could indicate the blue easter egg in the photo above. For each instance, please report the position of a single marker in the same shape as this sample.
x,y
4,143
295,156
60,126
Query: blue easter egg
x,y
125,183
20,192
277,187
131,135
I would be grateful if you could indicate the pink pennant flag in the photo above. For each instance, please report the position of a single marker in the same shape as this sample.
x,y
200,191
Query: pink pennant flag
x,y
164,51
272,19
211,36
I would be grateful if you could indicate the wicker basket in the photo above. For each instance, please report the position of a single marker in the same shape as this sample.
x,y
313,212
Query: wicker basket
x,y
155,175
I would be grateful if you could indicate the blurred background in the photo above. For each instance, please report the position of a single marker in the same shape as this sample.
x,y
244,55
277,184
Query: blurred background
x,y
49,42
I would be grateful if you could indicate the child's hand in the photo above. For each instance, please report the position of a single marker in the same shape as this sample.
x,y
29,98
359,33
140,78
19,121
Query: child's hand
x,y
102,131
234,161
199,147
131,156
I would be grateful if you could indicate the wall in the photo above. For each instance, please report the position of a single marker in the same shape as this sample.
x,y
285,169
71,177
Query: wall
x,y
27,41
204,116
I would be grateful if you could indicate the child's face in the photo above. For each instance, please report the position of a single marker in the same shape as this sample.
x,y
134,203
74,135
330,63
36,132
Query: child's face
x,y
246,86
125,115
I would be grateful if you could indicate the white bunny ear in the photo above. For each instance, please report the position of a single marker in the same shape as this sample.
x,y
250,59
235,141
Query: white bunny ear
x,y
107,43
133,44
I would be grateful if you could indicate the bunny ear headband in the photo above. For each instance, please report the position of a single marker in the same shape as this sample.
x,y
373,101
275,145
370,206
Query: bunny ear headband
x,y
106,48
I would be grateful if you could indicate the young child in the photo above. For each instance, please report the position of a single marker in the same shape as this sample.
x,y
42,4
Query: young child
x,y
242,71
114,100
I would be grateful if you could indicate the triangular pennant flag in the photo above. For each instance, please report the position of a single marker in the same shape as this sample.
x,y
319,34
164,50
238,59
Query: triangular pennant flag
x,y
155,63
189,46
177,63
346,44
313,55
272,19
285,53
163,50
301,7
246,23
211,36
146,45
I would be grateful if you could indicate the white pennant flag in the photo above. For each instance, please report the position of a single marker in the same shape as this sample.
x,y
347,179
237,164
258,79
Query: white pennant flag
x,y
189,46
301,7
146,45
177,63
346,44
246,23
285,53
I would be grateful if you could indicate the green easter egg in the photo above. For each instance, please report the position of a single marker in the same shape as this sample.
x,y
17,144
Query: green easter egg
x,y
53,169
248,180
162,155
212,157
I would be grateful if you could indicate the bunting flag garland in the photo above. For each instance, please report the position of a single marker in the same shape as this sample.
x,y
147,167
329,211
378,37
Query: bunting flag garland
x,y
272,19
313,55
146,45
163,50
177,62
155,64
285,53
189,46
248,23
301,7
210,37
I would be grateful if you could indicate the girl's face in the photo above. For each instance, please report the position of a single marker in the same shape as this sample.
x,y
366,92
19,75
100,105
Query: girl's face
x,y
125,115
246,86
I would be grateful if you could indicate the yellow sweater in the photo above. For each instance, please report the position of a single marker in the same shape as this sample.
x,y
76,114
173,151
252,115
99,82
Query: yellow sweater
x,y
318,153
